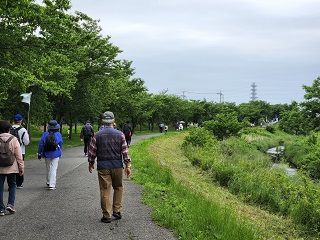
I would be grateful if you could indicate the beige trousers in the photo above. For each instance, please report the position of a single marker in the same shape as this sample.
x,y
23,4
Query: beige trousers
x,y
108,178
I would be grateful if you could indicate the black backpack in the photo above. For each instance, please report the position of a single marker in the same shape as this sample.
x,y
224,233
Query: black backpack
x,y
6,155
87,131
14,131
126,130
50,143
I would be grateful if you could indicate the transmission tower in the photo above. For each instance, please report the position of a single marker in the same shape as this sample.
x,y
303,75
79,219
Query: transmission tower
x,y
254,92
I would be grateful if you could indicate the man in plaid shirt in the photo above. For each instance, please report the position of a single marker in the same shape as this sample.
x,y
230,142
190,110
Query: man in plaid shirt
x,y
110,148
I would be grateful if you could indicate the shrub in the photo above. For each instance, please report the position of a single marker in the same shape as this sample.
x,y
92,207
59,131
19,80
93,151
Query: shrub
x,y
224,125
270,129
311,163
305,205
197,137
223,173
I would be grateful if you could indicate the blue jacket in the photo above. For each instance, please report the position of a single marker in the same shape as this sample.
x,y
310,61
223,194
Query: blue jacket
x,y
51,154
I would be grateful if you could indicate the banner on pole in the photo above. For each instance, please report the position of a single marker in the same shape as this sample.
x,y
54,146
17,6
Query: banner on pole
x,y
26,97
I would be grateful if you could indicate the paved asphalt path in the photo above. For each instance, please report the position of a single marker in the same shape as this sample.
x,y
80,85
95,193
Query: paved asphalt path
x,y
72,211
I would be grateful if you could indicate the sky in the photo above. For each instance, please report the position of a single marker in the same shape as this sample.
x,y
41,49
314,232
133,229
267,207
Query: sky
x,y
216,49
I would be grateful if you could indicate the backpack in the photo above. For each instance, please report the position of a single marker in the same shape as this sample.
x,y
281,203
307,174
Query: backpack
x,y
14,132
87,131
6,155
50,143
127,130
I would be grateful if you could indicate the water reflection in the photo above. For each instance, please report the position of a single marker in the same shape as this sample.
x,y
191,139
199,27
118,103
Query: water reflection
x,y
275,153
290,171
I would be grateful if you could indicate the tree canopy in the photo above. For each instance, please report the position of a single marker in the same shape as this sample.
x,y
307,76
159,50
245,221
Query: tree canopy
x,y
75,74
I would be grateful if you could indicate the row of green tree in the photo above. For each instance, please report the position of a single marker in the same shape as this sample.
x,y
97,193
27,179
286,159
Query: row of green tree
x,y
75,74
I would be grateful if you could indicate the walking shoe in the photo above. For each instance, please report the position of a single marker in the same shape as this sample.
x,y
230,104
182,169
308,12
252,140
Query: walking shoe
x,y
117,215
20,187
10,209
105,220
2,213
51,188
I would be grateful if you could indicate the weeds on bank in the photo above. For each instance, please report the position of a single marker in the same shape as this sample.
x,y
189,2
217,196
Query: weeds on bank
x,y
177,207
241,167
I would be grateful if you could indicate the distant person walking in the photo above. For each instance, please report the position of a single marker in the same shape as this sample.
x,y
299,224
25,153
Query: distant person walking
x,y
23,137
114,126
176,126
161,127
10,171
166,128
109,146
127,130
85,135
50,148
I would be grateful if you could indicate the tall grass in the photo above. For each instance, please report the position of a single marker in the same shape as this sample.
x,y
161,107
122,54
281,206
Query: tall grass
x,y
249,174
189,214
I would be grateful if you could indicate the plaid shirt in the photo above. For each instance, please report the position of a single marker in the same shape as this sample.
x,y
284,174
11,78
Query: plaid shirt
x,y
110,148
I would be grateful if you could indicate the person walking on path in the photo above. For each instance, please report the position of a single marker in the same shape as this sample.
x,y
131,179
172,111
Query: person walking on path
x,y
50,148
85,135
127,130
24,140
166,129
110,148
161,127
10,172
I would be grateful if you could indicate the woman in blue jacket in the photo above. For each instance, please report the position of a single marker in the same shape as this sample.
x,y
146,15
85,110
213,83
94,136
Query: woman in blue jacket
x,y
51,149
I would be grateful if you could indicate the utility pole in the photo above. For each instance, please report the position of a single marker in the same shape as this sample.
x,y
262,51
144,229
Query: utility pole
x,y
183,96
219,93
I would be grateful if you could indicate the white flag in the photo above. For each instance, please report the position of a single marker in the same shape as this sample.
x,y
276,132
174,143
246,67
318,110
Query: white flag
x,y
26,97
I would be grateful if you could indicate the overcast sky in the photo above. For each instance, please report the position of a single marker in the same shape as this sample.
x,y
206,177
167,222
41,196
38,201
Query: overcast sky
x,y
201,48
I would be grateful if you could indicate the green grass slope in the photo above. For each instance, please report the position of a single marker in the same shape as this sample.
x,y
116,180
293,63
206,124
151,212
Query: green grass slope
x,y
185,199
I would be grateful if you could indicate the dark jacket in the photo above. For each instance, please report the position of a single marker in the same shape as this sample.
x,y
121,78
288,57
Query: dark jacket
x,y
110,148
86,131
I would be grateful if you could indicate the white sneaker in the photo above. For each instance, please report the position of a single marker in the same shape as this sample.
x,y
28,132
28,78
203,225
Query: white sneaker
x,y
10,209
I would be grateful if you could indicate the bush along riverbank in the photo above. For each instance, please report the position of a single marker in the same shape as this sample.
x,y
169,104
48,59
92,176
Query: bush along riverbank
x,y
188,200
239,165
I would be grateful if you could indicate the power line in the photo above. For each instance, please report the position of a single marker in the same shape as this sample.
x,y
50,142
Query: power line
x,y
199,92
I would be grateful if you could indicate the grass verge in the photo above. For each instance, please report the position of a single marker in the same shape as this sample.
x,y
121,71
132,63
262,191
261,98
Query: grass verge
x,y
185,199
176,206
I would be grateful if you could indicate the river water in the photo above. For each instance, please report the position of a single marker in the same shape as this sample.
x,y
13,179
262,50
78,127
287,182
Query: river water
x,y
275,153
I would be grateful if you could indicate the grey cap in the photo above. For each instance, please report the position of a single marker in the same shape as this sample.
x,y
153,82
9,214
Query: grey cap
x,y
107,117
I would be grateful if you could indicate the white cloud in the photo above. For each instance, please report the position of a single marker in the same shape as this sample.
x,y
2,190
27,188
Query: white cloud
x,y
216,45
